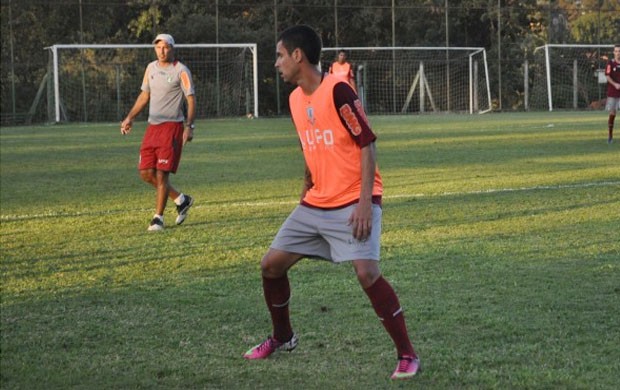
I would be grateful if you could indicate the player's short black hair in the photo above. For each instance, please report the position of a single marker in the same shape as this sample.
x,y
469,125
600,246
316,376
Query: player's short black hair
x,y
305,38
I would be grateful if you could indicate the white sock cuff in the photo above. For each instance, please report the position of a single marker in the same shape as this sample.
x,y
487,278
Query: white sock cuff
x,y
179,200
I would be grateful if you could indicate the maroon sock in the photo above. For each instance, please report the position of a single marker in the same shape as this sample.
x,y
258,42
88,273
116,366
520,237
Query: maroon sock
x,y
277,294
610,124
386,305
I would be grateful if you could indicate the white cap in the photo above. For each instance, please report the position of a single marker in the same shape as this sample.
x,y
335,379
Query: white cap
x,y
164,37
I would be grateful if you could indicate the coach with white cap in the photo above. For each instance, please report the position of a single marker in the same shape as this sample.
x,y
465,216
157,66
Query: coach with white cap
x,y
167,85
164,37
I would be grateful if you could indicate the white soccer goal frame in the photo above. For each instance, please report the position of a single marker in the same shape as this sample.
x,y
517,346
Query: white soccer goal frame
x,y
55,69
548,69
420,81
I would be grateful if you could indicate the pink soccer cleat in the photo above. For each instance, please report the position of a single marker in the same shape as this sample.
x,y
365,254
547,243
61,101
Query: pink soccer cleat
x,y
407,367
269,346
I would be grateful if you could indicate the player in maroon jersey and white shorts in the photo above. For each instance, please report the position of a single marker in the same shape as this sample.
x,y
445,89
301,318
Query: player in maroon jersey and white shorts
x,y
612,73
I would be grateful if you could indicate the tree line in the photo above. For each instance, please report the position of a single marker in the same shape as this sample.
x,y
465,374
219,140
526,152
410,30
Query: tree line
x,y
510,30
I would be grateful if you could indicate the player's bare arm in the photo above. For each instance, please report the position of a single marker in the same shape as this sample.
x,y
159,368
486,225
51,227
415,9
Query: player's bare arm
x,y
361,218
141,102
353,85
188,132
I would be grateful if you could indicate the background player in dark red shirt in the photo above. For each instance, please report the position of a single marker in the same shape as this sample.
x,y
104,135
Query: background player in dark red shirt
x,y
612,73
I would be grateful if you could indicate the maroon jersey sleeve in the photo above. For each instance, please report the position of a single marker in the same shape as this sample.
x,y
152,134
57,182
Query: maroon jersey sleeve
x,y
352,115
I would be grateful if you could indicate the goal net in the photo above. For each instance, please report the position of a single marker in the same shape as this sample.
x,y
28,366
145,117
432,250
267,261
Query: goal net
x,y
569,76
100,83
395,80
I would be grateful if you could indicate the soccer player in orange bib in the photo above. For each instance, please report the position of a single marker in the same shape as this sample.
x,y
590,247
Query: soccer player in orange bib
x,y
339,215
343,68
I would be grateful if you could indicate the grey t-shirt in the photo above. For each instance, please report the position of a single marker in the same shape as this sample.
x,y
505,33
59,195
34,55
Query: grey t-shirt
x,y
167,88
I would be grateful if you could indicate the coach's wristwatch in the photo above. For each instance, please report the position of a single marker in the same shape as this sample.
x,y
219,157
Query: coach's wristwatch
x,y
191,126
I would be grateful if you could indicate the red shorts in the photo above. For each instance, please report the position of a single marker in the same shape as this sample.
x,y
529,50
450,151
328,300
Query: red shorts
x,y
161,147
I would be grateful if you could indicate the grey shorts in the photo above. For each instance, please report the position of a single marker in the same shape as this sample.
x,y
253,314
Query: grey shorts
x,y
612,104
326,234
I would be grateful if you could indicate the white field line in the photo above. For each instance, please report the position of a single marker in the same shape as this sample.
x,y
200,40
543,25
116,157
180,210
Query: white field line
x,y
502,190
54,214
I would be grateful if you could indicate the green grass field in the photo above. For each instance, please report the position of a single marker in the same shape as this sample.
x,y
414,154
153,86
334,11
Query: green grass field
x,y
501,237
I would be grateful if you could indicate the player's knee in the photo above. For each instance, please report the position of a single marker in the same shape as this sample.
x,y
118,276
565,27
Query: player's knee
x,y
269,266
367,279
367,275
147,176
274,264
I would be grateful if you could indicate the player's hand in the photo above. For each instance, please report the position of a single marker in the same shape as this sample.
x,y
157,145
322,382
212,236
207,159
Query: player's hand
x,y
126,126
188,135
361,221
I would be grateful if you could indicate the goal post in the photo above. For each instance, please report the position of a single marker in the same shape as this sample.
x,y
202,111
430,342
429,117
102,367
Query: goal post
x,y
100,82
567,76
400,80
